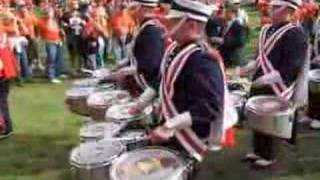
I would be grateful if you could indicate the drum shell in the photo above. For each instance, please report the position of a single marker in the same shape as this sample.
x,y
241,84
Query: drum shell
x,y
183,176
134,144
279,125
96,173
97,113
78,105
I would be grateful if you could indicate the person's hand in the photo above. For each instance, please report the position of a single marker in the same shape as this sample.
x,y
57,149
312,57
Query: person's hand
x,y
137,108
268,79
160,135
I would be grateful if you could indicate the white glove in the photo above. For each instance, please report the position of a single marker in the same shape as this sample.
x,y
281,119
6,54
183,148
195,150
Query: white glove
x,y
181,121
129,70
244,71
217,40
147,95
268,79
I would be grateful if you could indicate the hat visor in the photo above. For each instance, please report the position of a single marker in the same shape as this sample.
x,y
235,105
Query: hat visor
x,y
173,14
282,3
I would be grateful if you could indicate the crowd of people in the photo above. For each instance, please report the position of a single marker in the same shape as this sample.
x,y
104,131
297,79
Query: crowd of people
x,y
176,50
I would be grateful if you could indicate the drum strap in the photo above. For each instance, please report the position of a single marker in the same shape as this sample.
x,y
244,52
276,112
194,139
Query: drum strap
x,y
140,79
188,139
265,47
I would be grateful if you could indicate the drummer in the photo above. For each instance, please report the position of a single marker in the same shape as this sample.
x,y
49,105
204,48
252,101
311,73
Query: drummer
x,y
192,86
146,51
281,54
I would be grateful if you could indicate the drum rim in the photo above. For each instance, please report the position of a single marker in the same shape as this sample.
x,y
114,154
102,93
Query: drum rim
x,y
111,92
115,164
147,112
96,165
250,108
119,128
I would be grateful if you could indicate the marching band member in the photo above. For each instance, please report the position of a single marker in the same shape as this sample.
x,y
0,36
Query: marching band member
x,y
281,52
146,54
192,85
233,36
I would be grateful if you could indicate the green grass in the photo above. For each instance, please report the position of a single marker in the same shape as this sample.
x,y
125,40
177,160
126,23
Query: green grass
x,y
45,132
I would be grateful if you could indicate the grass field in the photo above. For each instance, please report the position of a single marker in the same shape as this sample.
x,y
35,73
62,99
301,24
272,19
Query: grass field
x,y
45,132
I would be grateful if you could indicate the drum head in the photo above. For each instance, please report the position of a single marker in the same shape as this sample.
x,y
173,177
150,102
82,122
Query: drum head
x,y
108,97
79,92
314,75
100,73
147,164
96,130
121,112
95,154
268,105
87,82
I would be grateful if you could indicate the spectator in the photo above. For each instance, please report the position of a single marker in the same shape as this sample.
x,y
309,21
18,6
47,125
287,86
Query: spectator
x,y
52,36
8,70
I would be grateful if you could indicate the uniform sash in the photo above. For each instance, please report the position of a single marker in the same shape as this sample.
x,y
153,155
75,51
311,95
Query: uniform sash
x,y
188,139
265,47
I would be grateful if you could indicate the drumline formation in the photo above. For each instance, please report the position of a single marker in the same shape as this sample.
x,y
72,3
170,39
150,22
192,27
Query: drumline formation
x,y
115,142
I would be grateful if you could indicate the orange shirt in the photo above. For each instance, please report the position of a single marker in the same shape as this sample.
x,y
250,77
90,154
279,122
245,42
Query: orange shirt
x,y
122,23
49,32
30,22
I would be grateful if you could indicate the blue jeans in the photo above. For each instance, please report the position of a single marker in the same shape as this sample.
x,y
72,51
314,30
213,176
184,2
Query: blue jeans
x,y
4,105
54,59
24,63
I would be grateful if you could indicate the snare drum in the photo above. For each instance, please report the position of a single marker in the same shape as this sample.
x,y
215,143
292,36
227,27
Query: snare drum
x,y
86,82
133,139
91,161
76,100
98,131
314,94
99,102
120,113
270,115
149,164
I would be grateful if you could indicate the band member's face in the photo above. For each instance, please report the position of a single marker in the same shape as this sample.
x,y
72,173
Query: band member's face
x,y
278,13
179,30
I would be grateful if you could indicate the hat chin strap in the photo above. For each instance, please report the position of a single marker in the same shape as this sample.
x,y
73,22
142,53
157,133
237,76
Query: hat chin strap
x,y
177,27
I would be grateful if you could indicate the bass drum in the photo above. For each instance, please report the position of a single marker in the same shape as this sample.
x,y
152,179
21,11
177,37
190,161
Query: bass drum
x,y
314,94
91,161
149,164
270,115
